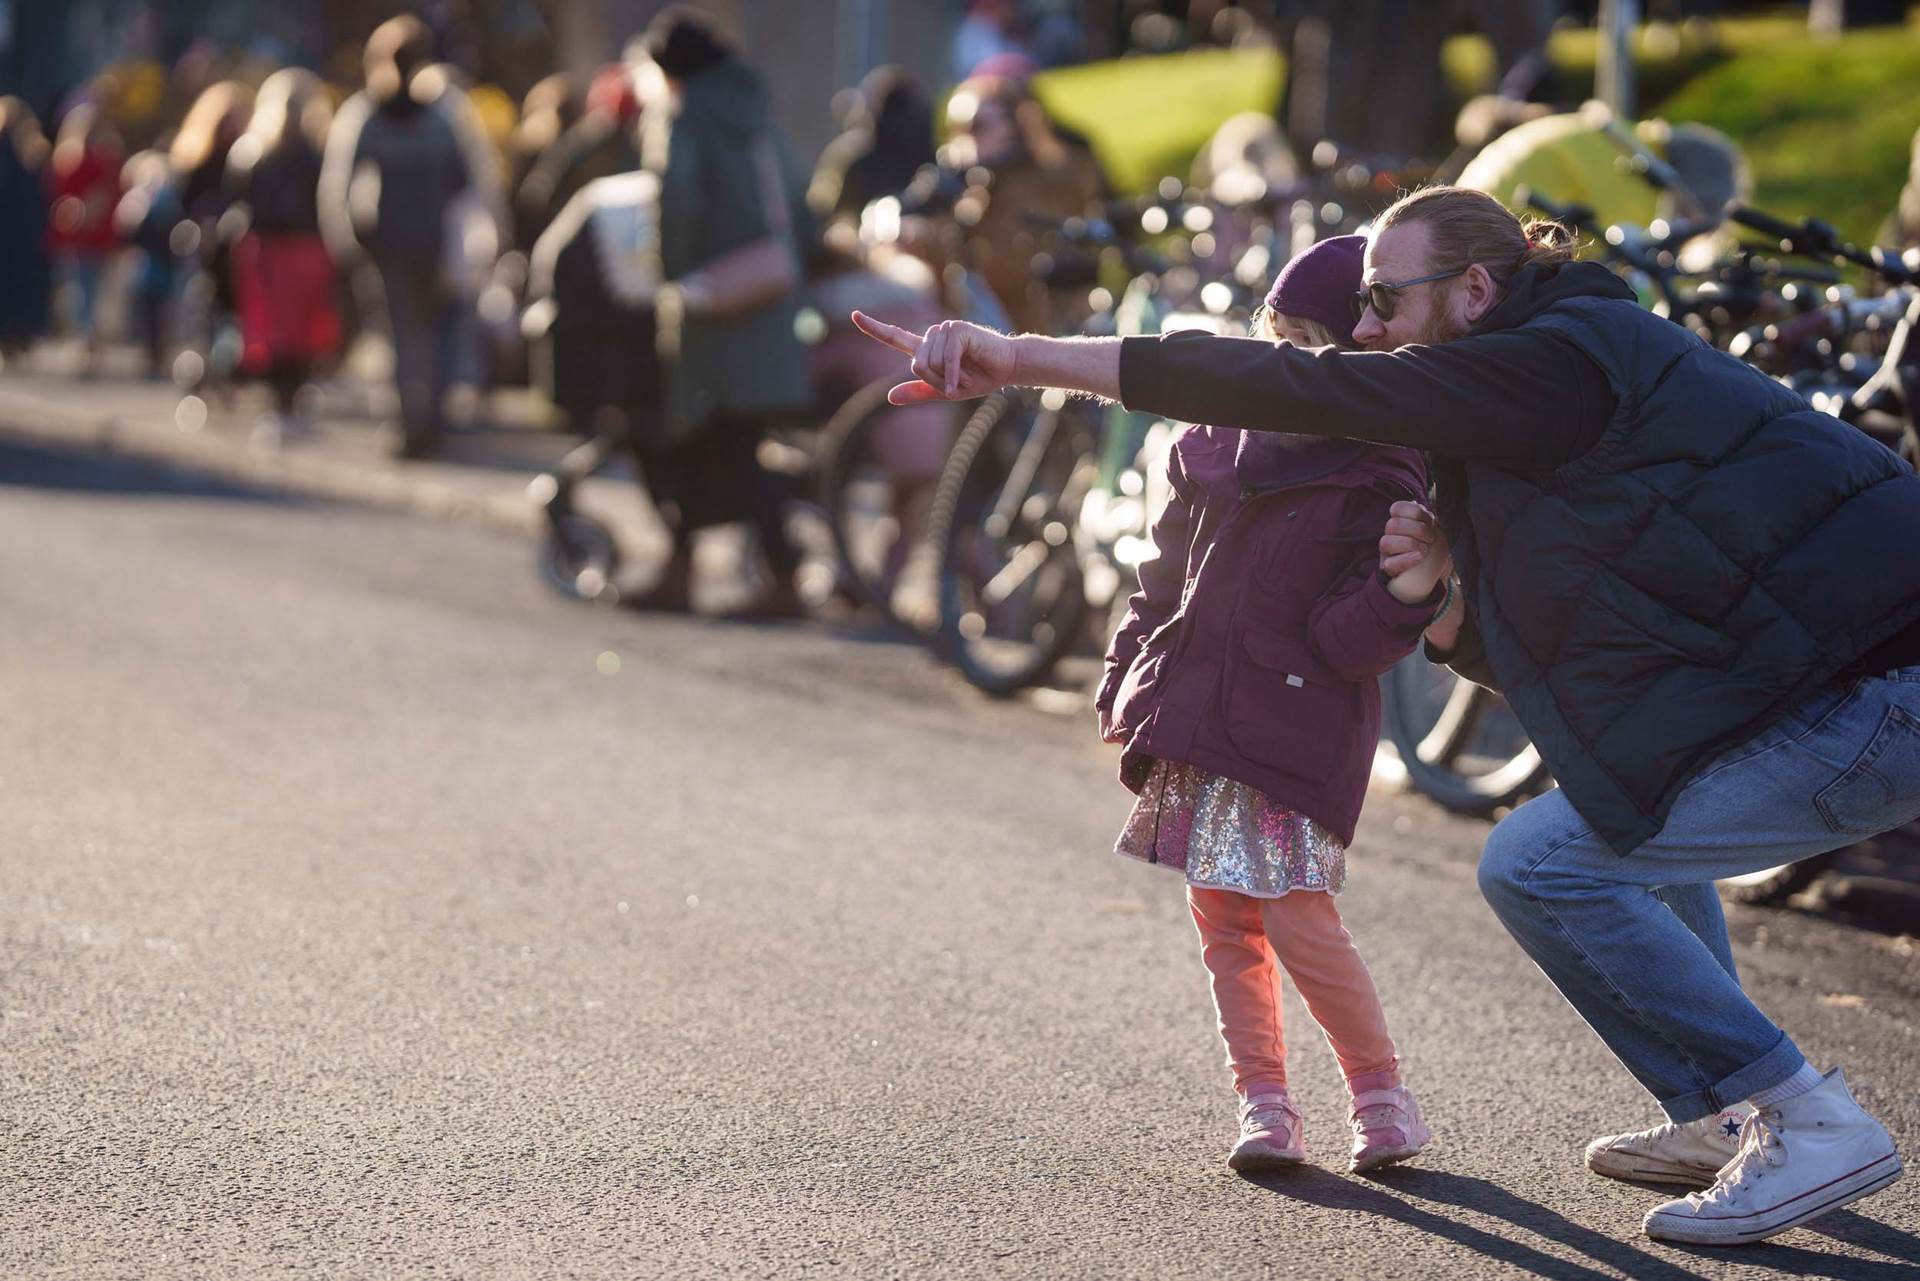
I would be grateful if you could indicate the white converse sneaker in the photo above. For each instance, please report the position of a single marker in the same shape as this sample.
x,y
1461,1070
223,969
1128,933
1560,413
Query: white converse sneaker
x,y
1270,1135
1689,1154
1799,1159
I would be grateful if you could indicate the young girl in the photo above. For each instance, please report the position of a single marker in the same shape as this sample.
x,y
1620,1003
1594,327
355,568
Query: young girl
x,y
1243,686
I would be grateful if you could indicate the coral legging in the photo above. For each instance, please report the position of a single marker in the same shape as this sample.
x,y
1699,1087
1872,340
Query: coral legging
x,y
1241,937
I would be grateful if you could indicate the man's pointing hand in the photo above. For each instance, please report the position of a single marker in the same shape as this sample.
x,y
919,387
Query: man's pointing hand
x,y
951,361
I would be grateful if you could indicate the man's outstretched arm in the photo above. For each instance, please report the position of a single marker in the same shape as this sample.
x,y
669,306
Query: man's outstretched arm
x,y
958,361
1513,397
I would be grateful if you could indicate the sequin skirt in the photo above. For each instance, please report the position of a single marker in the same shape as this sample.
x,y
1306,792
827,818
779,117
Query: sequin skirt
x,y
1228,836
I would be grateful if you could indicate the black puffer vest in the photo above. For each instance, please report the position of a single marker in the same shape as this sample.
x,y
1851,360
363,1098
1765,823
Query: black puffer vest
x,y
1720,553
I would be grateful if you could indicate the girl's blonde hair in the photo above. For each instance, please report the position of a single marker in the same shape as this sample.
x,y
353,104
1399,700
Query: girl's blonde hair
x,y
1264,325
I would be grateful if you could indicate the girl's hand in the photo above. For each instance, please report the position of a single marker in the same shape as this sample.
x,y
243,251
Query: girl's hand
x,y
1108,732
1413,554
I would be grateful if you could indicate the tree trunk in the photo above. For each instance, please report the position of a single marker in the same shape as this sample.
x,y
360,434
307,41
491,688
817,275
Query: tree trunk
x,y
1831,16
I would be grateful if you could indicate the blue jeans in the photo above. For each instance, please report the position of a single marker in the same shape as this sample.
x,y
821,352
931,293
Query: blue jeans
x,y
1637,942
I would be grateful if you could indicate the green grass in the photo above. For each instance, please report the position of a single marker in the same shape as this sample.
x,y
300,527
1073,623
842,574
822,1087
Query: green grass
x,y
1665,56
1147,117
1828,125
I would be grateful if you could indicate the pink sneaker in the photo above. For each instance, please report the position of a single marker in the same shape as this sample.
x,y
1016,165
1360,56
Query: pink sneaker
x,y
1386,1128
1270,1135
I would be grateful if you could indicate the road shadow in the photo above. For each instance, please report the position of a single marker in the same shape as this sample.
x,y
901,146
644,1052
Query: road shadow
x,y
1395,1193
1392,1196
1844,1226
1900,1251
72,471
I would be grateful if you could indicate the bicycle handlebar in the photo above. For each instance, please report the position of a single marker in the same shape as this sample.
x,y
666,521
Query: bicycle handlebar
x,y
1817,239
1649,166
1577,216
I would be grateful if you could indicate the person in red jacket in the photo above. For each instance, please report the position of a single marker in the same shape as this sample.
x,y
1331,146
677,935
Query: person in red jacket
x,y
1244,687
83,189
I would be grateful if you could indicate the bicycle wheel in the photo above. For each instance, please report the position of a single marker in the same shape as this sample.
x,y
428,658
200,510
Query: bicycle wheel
x,y
874,547
1011,593
1459,742
578,557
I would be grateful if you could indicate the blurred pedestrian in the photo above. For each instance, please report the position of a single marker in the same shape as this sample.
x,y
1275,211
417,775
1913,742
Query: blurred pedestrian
x,y
283,277
991,28
1055,34
1038,174
912,445
152,219
408,184
547,111
1903,224
604,141
83,183
888,137
199,156
199,153
733,231
23,229
1251,771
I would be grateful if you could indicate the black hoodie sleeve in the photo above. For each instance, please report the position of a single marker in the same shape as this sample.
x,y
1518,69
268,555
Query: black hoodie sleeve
x,y
1513,396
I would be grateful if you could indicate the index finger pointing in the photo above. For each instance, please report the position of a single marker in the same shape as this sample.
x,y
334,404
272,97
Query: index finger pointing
x,y
901,340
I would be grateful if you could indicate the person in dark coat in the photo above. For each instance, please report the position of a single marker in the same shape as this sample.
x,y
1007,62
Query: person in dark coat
x,y
728,187
1693,589
23,228
888,136
603,142
409,184
549,109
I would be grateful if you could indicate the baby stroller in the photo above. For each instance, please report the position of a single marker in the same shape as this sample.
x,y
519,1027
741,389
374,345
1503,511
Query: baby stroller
x,y
590,329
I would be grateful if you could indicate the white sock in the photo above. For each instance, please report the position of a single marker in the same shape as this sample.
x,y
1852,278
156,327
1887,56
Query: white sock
x,y
1797,1084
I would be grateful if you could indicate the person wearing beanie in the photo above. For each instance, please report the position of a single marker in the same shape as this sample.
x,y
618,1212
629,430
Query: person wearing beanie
x,y
1243,687
1318,286
683,41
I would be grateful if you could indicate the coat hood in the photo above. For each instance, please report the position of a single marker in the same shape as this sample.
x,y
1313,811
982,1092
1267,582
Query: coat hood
x,y
727,94
1277,460
1534,289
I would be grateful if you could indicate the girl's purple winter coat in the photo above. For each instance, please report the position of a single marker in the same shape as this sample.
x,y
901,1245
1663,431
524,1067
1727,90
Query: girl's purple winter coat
x,y
1253,646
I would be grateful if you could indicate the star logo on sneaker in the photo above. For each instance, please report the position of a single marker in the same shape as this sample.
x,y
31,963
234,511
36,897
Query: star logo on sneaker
x,y
1730,1126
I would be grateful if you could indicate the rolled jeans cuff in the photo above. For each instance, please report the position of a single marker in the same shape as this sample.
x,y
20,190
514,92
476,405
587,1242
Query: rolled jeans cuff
x,y
1771,1068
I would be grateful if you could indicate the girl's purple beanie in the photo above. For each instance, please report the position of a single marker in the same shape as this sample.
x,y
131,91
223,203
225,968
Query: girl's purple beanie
x,y
1320,284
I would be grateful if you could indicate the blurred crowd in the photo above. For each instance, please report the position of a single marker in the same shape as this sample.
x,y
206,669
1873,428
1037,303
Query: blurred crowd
x,y
642,246
648,251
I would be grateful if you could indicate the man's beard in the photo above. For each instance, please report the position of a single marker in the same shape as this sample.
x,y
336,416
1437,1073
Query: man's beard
x,y
1441,326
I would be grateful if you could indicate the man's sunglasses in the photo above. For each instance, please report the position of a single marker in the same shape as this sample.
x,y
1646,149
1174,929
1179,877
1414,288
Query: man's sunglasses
x,y
1383,297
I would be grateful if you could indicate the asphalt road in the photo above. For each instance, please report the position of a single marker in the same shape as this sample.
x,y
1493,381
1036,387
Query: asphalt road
x,y
365,912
